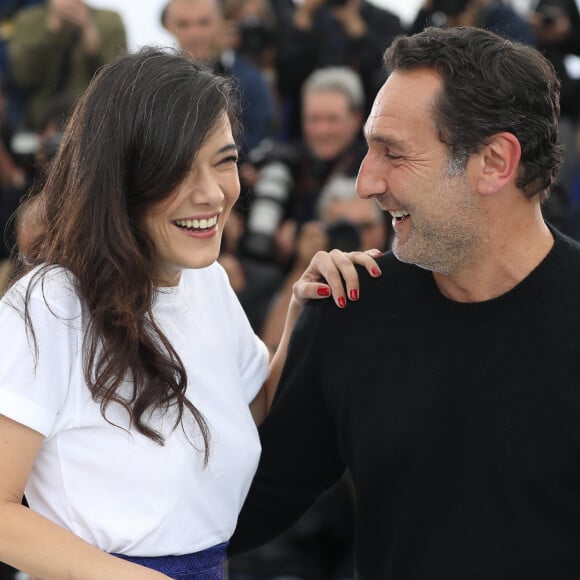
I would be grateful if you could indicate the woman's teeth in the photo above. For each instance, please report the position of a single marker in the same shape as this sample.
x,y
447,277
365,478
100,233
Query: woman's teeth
x,y
195,224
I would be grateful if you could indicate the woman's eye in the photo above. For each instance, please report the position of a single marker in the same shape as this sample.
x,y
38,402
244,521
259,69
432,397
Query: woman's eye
x,y
227,161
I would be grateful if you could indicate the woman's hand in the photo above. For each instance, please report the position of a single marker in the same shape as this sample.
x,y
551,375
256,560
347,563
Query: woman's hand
x,y
334,274
328,274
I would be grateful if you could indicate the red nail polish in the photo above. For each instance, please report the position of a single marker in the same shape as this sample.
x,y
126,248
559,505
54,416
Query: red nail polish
x,y
342,302
375,272
353,294
323,291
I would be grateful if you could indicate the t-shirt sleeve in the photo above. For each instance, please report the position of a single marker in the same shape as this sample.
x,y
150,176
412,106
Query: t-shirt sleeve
x,y
36,362
253,354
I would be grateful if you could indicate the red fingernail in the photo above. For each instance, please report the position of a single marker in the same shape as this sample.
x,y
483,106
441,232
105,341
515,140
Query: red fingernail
x,y
323,291
375,272
342,301
353,294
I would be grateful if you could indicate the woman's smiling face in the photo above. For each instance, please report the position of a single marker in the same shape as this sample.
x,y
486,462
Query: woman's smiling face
x,y
187,228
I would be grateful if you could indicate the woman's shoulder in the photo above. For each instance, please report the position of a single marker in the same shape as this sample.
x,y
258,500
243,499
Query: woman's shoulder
x,y
53,286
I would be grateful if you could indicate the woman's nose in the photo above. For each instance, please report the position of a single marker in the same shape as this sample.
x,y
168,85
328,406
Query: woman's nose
x,y
206,190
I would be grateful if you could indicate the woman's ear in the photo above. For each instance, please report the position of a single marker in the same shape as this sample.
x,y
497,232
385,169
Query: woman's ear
x,y
500,163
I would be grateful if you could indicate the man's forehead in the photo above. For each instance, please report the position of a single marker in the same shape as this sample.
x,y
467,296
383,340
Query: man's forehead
x,y
377,133
416,88
184,7
405,99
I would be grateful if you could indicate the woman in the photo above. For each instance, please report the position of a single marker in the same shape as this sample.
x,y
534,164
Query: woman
x,y
129,369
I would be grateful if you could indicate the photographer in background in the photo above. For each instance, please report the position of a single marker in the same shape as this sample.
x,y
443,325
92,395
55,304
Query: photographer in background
x,y
316,34
57,47
202,34
556,25
252,32
15,98
492,15
287,179
21,221
12,179
343,221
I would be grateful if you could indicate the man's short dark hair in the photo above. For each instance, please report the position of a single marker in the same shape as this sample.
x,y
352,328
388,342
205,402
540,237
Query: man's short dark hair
x,y
490,85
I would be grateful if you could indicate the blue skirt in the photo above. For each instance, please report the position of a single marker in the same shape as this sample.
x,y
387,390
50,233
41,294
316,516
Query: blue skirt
x,y
205,565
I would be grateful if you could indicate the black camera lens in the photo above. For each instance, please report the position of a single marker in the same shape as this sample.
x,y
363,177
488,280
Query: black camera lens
x,y
344,236
336,3
255,36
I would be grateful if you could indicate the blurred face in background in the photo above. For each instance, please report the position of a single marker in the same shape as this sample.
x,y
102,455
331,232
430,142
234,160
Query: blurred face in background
x,y
197,26
329,124
365,215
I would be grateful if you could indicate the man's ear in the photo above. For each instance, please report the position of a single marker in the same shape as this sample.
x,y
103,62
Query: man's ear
x,y
500,159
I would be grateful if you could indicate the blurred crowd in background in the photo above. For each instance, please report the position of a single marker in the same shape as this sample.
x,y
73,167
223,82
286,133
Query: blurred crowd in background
x,y
307,73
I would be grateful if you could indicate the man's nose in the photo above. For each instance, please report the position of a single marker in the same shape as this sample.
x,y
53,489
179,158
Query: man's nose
x,y
371,181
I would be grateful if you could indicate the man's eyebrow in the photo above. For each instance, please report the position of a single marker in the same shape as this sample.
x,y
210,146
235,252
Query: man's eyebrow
x,y
386,141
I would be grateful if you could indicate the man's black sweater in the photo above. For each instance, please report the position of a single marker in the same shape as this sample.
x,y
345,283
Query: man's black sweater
x,y
459,422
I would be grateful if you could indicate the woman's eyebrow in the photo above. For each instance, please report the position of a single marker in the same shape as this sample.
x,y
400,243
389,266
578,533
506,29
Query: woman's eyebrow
x,y
228,147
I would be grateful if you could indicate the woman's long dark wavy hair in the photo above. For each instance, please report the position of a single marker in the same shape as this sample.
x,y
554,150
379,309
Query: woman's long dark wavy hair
x,y
129,143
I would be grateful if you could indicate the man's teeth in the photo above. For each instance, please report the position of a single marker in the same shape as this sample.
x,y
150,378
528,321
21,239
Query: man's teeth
x,y
401,213
202,224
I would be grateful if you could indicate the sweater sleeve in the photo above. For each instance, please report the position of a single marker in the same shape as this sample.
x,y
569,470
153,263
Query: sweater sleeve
x,y
300,457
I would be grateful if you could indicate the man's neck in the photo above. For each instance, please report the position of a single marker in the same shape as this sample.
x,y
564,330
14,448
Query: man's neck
x,y
503,262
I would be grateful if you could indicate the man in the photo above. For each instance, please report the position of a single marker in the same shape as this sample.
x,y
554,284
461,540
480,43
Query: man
x,y
199,29
450,390
556,25
289,179
492,15
314,34
339,206
56,49
344,221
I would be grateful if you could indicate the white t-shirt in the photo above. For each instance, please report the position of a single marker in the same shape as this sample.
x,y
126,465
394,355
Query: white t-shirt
x,y
112,486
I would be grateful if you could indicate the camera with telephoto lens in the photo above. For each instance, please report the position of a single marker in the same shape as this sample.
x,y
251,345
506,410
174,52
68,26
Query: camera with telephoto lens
x,y
271,192
343,235
255,37
336,3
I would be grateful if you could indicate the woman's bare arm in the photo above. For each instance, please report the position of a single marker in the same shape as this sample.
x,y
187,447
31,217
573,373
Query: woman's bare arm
x,y
34,544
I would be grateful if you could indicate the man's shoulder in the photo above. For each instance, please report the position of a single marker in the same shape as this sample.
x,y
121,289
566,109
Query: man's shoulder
x,y
31,15
566,249
398,283
395,272
246,71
